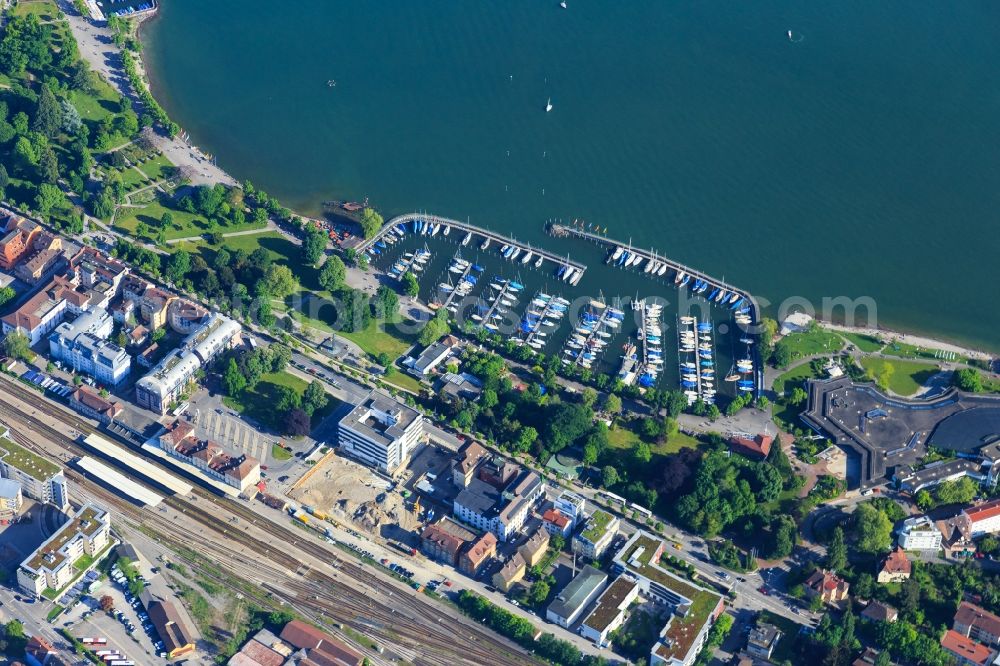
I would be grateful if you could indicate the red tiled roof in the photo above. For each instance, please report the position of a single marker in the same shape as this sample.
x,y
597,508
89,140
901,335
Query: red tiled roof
x,y
261,654
896,562
758,446
304,637
966,648
556,517
983,511
94,401
179,431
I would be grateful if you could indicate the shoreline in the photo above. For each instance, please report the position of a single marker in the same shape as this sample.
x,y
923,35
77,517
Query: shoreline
x,y
210,172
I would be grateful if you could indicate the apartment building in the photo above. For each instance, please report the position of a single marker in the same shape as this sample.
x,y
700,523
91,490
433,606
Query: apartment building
x,y
161,385
499,498
40,479
919,533
82,344
598,533
52,565
977,623
982,519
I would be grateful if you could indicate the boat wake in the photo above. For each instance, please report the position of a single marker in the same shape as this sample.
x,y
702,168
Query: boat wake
x,y
795,37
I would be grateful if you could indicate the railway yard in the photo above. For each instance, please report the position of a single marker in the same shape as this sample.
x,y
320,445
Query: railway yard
x,y
270,564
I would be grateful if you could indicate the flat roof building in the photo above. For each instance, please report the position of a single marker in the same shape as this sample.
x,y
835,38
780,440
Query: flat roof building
x,y
598,533
578,594
762,640
609,612
10,498
40,479
501,510
693,608
51,566
381,432
82,344
919,533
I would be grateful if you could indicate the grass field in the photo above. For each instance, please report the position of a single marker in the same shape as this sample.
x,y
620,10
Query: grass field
x,y
904,350
185,225
259,403
907,376
865,343
404,381
156,168
279,453
811,343
624,439
377,339
792,378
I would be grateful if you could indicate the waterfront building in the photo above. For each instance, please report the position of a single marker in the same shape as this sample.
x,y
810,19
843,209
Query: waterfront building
x,y
381,432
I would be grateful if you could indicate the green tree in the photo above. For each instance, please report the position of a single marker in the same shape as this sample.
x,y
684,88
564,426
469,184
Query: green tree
x,y
883,377
280,281
782,355
166,220
48,198
798,396
613,404
25,153
16,345
48,114
874,529
178,266
6,295
960,491
371,222
233,378
836,551
314,398
923,500
609,476
539,593
333,273
385,303
436,328
411,287
968,379
314,245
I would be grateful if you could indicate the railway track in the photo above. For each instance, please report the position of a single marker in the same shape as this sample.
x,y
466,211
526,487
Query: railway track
x,y
395,615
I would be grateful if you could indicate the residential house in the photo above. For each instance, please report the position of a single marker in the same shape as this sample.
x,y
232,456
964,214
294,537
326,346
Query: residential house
x,y
42,262
185,316
762,640
828,586
480,551
463,468
41,313
511,572
876,611
17,238
39,478
895,567
556,522
982,519
96,270
154,304
534,548
956,538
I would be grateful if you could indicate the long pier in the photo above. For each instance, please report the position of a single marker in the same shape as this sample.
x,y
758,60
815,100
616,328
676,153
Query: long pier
x,y
565,231
504,291
458,283
464,228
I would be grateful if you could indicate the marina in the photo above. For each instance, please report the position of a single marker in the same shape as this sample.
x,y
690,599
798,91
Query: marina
x,y
696,359
499,306
422,224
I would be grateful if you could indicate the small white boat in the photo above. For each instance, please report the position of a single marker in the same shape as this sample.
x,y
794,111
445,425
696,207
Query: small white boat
x,y
663,269
447,229
527,257
468,237
617,253
486,244
435,229
548,105
538,264
515,254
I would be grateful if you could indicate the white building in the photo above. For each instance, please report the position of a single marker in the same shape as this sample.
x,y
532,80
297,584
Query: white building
x,y
40,479
381,432
572,505
502,506
51,566
609,613
600,530
82,344
919,533
167,380
578,594
982,519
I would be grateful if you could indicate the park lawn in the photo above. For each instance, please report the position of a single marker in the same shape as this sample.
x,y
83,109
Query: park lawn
x,y
258,404
280,454
133,179
157,167
907,376
866,343
813,342
376,339
98,105
624,439
792,378
903,350
184,225
45,10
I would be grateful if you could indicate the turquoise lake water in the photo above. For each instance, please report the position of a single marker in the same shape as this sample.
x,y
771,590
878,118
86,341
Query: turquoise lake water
x,y
859,158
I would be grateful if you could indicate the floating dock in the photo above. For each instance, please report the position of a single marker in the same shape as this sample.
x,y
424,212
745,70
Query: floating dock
x,y
463,228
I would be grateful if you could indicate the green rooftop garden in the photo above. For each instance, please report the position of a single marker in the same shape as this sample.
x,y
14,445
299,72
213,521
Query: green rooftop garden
x,y
597,525
20,458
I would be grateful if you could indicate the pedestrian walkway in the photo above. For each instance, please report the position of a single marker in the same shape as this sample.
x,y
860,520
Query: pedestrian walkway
x,y
233,435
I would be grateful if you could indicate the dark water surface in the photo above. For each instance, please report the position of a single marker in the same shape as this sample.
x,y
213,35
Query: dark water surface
x,y
859,158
